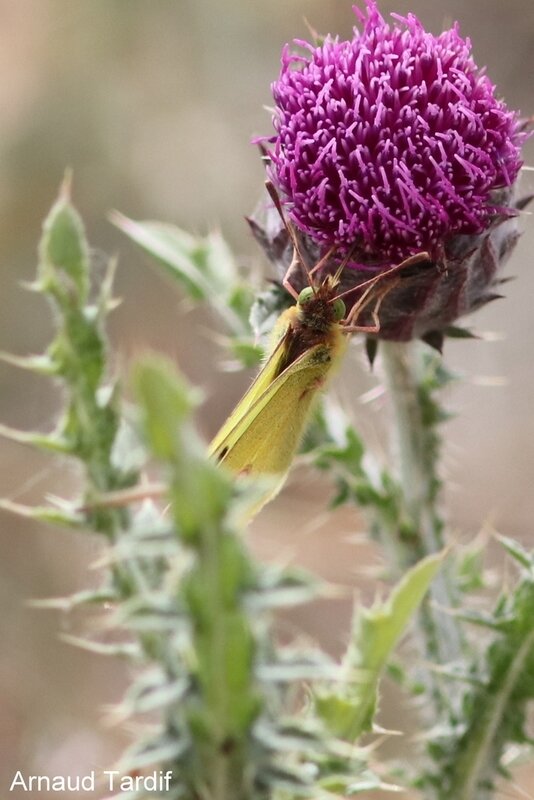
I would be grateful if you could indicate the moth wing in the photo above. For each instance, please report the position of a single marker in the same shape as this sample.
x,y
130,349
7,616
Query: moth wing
x,y
263,433
265,377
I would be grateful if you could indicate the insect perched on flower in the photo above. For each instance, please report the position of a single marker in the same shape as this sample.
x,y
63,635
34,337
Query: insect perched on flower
x,y
262,434
391,177
308,341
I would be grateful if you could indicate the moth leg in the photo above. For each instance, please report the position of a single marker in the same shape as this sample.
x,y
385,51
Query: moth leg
x,y
291,270
382,292
361,304
365,328
408,262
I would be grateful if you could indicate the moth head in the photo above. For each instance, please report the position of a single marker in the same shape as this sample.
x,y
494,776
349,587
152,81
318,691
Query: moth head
x,y
306,295
339,309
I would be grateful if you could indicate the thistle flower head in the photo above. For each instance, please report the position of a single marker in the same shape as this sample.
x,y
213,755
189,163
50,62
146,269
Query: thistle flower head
x,y
392,142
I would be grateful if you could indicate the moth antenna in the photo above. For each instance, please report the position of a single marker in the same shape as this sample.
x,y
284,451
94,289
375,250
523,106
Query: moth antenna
x,y
337,275
345,261
265,154
275,197
294,240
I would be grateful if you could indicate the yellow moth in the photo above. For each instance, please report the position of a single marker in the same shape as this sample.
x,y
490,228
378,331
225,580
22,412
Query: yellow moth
x,y
263,432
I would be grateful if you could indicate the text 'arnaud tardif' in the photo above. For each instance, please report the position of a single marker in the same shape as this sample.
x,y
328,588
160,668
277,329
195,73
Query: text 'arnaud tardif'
x,y
111,779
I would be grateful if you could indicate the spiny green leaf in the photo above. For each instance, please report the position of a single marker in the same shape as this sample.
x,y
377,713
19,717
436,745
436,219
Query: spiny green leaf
x,y
42,365
162,750
200,491
376,630
517,551
49,514
42,441
167,402
281,778
204,266
125,650
289,735
282,590
302,667
82,598
267,307
152,694
173,248
63,250
220,265
248,353
485,620
469,569
370,783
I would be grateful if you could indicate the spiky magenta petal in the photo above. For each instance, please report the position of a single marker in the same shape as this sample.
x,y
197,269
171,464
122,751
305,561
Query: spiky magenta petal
x,y
390,142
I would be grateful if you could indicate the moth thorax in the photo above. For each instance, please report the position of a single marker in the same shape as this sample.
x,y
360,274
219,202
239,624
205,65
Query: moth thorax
x,y
317,314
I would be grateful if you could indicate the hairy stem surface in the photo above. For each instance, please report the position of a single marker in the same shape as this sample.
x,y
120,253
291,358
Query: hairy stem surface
x,y
415,451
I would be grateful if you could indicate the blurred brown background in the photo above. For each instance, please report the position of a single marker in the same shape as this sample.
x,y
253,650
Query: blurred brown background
x,y
153,105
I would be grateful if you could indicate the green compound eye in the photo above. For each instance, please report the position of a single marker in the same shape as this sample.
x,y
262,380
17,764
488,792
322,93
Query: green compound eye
x,y
339,309
306,295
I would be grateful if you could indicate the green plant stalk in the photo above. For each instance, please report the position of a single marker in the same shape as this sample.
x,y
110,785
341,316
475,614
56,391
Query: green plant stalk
x,y
223,700
214,638
415,451
228,755
475,765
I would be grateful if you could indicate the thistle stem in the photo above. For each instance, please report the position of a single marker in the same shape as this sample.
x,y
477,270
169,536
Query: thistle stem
x,y
475,765
415,453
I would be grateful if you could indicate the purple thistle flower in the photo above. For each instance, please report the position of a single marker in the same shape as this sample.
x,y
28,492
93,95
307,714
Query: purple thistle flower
x,y
392,142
